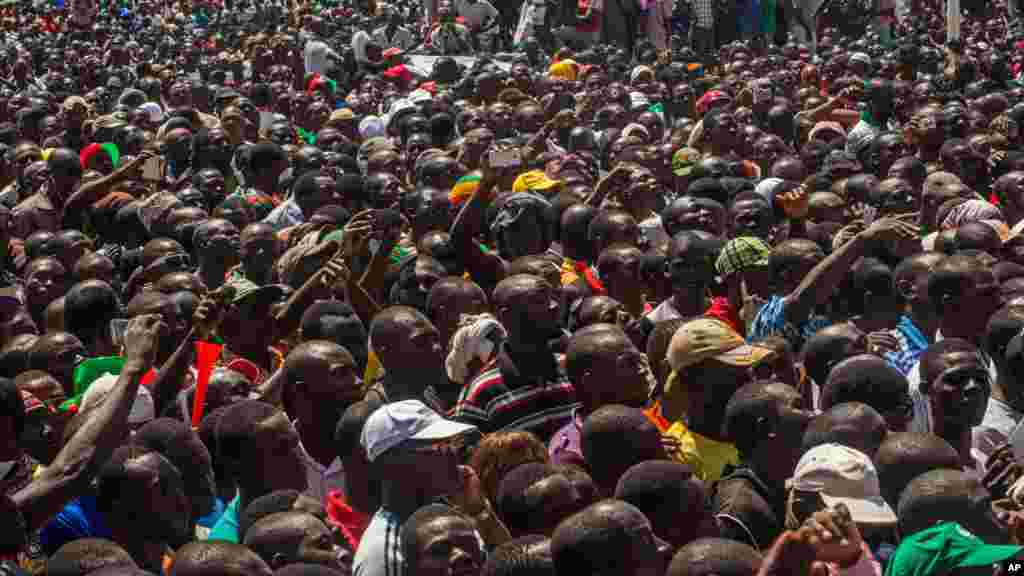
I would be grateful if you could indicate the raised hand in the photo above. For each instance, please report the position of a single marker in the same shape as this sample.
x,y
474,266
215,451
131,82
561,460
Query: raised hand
x,y
142,340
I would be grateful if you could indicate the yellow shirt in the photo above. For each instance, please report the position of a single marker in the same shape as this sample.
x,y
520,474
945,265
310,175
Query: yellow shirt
x,y
706,457
569,274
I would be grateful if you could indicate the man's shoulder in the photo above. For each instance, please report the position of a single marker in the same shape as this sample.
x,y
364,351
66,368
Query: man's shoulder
x,y
488,379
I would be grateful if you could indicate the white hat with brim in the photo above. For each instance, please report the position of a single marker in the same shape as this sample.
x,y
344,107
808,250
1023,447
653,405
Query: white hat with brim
x,y
842,475
409,420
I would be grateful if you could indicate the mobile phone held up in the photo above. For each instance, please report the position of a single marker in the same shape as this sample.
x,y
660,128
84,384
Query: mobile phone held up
x,y
507,158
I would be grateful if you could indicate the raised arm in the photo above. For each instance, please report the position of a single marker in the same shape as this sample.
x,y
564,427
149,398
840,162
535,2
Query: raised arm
x,y
88,193
486,267
105,427
820,283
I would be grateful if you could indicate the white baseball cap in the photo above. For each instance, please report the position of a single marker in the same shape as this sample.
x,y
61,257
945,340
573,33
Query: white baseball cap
x,y
842,475
397,422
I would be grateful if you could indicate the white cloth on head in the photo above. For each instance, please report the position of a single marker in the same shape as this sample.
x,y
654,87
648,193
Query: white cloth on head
x,y
153,111
473,340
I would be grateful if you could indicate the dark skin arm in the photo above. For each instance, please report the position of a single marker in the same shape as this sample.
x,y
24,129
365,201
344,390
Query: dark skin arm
x,y
357,235
820,283
78,203
616,180
794,205
487,268
105,428
372,279
171,376
831,110
289,315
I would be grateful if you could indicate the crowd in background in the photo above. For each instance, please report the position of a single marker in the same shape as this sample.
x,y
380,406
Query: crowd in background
x,y
301,289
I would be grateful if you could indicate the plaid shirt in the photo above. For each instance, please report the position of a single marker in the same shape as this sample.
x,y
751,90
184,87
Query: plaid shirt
x,y
703,13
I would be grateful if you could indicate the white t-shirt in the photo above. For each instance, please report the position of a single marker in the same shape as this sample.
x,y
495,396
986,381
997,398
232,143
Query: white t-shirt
x,y
476,14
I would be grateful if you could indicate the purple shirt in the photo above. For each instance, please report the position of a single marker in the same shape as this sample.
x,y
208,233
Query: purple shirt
x,y
564,447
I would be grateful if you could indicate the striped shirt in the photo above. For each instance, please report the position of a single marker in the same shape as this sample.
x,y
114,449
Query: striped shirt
x,y
380,551
502,398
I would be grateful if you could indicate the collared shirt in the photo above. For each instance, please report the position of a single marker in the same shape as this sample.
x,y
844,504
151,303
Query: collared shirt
x,y
530,393
284,215
320,479
564,447
912,344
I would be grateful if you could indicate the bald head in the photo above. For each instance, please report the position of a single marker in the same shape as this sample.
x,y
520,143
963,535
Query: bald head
x,y
509,290
830,346
605,538
276,538
393,324
903,456
158,248
715,557
851,424
949,495
86,555
218,558
978,236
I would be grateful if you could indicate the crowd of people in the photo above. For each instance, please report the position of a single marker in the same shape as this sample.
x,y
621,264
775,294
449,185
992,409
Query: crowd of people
x,y
276,298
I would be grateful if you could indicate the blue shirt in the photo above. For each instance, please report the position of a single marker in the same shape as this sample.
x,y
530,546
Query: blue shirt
x,y
78,519
210,519
227,527
771,320
912,344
